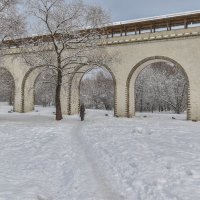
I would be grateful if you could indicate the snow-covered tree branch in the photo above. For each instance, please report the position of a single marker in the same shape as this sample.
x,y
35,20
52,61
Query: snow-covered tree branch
x,y
12,23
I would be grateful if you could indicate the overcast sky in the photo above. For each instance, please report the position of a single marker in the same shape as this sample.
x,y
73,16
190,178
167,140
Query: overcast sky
x,y
133,9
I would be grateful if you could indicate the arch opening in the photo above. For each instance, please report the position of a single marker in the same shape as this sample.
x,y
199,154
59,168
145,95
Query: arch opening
x,y
44,91
97,90
158,85
92,86
7,90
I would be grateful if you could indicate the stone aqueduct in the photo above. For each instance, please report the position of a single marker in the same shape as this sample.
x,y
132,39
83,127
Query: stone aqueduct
x,y
145,46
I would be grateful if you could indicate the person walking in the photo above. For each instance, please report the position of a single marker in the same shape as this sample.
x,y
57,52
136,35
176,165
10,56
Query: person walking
x,y
82,112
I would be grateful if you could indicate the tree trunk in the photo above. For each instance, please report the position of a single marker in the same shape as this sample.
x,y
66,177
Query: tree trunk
x,y
57,98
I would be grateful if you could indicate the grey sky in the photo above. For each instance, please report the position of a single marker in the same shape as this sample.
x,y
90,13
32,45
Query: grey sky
x,y
132,9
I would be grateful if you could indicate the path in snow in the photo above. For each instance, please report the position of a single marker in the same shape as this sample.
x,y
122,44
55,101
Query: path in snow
x,y
87,162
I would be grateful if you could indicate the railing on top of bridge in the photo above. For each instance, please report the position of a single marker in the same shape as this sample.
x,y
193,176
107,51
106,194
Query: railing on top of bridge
x,y
126,28
154,24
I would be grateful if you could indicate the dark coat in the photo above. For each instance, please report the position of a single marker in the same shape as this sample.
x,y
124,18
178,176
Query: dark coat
x,y
82,111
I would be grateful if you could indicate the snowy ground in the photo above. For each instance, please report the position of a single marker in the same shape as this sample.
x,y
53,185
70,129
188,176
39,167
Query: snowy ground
x,y
102,158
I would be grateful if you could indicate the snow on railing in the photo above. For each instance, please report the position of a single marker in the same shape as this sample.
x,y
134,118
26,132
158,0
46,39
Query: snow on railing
x,y
182,14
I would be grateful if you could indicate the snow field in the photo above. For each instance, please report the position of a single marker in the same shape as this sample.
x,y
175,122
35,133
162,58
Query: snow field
x,y
102,158
148,159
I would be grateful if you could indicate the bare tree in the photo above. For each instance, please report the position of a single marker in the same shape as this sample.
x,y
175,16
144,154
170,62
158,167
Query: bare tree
x,y
72,31
12,23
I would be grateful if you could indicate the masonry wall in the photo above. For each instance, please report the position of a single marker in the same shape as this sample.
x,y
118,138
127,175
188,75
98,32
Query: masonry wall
x,y
181,46
16,67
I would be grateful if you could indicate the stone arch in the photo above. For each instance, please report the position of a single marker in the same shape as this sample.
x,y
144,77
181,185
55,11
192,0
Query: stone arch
x,y
28,84
14,85
28,88
34,85
74,87
130,83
